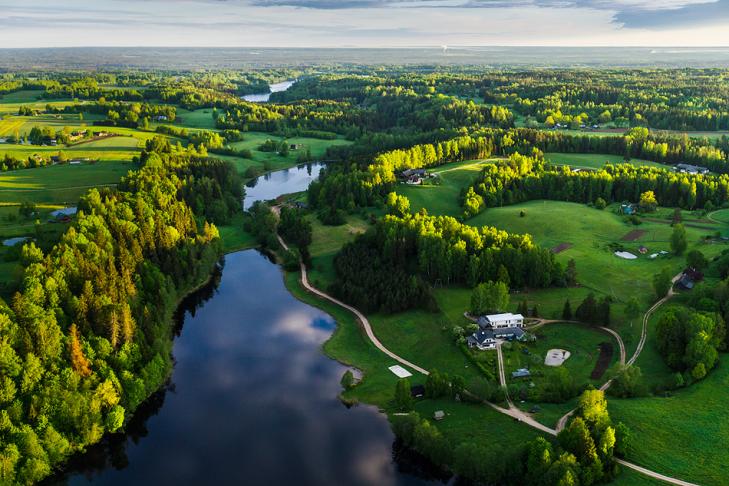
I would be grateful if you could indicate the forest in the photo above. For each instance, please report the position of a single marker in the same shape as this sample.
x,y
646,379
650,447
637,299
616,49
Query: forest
x,y
87,337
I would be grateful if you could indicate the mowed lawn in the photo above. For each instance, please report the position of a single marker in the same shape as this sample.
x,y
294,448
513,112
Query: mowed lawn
x,y
595,161
59,184
685,435
580,340
444,199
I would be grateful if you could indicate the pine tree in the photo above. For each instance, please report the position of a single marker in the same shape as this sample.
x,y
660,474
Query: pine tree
x,y
78,361
567,311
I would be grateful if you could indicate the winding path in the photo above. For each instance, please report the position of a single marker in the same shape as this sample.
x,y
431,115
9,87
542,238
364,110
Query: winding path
x,y
362,319
512,411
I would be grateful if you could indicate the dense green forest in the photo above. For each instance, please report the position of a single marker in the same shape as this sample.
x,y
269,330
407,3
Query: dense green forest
x,y
87,336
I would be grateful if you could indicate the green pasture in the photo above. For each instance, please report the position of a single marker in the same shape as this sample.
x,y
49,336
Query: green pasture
x,y
682,435
595,161
59,184
326,243
202,118
444,199
589,231
106,149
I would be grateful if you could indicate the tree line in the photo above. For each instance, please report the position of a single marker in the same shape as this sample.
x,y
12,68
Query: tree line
x,y
87,338
524,178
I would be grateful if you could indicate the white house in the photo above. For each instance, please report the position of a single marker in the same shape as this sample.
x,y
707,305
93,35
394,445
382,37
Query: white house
x,y
497,321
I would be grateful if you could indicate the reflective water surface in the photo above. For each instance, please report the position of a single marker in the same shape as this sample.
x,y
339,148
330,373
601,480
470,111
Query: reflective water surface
x,y
287,181
252,400
264,97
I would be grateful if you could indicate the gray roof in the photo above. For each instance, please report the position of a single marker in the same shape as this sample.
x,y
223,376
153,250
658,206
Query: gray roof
x,y
70,211
481,337
520,373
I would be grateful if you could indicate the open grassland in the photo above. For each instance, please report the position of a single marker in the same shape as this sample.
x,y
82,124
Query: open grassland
x,y
590,231
424,338
595,161
444,199
59,184
684,435
202,118
234,236
23,125
326,243
106,149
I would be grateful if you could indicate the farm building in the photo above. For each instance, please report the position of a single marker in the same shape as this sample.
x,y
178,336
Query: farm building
x,y
627,209
689,278
521,373
417,391
495,321
691,169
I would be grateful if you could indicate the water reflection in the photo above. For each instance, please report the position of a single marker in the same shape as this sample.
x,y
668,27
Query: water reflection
x,y
252,399
273,184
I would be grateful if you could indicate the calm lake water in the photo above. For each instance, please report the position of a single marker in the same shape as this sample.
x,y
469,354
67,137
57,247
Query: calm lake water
x,y
252,399
273,184
264,97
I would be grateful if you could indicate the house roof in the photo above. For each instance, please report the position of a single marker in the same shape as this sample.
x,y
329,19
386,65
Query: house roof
x,y
481,337
504,331
503,317
521,373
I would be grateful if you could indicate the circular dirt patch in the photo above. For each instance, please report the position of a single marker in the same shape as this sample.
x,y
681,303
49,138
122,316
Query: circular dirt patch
x,y
555,357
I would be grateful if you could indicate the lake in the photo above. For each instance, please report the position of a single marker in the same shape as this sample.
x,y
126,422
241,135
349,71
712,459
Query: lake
x,y
264,97
252,398
270,186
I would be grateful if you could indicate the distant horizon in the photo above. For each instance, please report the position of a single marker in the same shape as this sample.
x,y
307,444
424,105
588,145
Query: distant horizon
x,y
365,24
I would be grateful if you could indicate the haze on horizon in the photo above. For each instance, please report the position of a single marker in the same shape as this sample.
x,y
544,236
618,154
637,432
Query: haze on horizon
x,y
364,23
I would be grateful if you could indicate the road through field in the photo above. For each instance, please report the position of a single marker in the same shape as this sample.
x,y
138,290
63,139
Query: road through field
x,y
512,411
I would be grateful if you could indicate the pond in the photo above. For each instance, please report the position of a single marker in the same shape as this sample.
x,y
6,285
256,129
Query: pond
x,y
252,398
264,97
287,181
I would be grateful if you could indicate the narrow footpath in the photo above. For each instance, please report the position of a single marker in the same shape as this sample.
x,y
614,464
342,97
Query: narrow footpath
x,y
512,411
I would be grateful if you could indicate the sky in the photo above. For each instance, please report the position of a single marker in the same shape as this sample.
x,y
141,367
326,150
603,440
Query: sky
x,y
363,23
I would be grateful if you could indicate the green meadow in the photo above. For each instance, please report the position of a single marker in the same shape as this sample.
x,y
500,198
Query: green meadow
x,y
444,198
59,184
696,418
594,161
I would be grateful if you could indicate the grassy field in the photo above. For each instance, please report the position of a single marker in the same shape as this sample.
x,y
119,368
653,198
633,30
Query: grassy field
x,y
590,231
443,199
326,243
683,435
59,184
594,161
202,118
106,149
581,341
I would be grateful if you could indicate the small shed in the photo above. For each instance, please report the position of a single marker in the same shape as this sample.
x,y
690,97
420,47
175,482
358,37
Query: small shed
x,y
417,391
521,373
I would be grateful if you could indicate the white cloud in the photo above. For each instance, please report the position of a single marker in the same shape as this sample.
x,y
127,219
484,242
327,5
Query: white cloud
x,y
364,23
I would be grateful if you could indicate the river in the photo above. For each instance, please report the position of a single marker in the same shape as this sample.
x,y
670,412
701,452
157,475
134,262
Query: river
x,y
269,186
252,398
264,97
